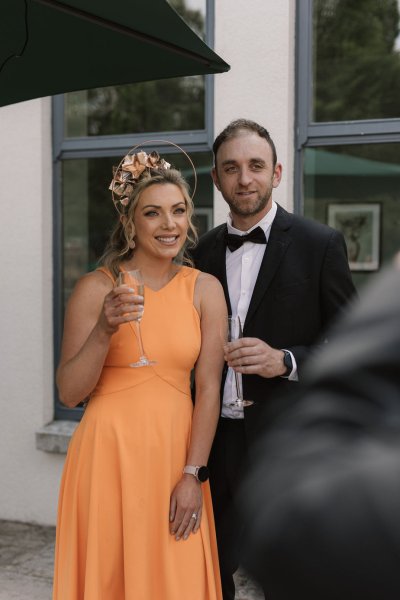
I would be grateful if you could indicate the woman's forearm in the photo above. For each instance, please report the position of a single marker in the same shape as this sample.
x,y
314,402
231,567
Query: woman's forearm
x,y
77,377
205,419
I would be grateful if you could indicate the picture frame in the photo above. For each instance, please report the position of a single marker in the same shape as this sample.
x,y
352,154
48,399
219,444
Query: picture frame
x,y
360,224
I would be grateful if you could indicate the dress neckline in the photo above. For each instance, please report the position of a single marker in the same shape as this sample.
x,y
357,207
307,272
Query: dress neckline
x,y
147,287
164,286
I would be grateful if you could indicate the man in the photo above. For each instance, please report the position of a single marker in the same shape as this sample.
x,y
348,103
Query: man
x,y
287,281
321,497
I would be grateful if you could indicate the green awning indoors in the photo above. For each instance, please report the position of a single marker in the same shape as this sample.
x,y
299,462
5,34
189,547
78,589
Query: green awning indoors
x,y
69,45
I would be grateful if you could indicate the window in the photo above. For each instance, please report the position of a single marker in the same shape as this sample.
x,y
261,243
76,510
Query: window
x,y
356,62
164,105
356,188
348,117
93,129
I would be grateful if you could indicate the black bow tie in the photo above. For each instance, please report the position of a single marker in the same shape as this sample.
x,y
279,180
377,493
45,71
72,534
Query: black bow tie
x,y
257,236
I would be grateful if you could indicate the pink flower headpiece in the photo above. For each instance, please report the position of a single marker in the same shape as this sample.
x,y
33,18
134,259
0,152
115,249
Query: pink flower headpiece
x,y
127,175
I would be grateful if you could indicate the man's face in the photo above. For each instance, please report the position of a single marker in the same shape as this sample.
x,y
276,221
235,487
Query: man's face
x,y
245,175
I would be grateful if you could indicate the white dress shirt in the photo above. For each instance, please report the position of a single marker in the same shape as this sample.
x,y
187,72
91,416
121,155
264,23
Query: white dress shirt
x,y
242,267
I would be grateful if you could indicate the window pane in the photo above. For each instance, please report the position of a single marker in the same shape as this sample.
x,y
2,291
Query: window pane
x,y
357,189
356,69
89,214
165,105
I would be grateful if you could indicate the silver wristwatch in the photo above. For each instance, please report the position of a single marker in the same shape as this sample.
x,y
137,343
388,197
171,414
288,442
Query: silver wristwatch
x,y
200,472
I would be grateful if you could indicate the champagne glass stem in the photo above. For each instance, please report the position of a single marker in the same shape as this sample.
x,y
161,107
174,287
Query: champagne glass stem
x,y
139,336
237,333
238,390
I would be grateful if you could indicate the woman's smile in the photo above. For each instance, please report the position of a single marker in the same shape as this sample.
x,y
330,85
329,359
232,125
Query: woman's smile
x,y
168,240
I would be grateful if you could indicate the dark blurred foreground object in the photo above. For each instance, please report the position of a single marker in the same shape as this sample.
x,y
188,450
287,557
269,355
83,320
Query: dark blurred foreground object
x,y
322,498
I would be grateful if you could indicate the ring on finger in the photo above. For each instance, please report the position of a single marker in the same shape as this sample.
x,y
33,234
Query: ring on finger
x,y
194,516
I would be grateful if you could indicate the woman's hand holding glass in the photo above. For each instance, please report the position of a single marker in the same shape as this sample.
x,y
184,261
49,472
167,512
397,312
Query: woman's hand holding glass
x,y
134,281
121,305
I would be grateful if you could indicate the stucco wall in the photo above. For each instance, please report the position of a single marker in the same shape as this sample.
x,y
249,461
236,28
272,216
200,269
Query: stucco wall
x,y
257,39
29,478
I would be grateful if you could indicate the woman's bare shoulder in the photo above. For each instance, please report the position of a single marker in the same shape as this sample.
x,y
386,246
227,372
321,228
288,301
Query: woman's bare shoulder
x,y
208,282
209,295
94,284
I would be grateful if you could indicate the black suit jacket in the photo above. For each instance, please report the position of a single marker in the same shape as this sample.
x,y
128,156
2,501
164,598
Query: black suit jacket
x,y
322,492
304,282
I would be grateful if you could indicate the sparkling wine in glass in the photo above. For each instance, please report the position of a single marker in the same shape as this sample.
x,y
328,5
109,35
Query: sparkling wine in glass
x,y
134,280
234,331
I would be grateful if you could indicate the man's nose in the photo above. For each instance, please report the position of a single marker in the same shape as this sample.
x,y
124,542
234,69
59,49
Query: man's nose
x,y
244,177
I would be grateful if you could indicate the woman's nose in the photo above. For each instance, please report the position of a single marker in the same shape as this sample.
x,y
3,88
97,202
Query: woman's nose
x,y
168,222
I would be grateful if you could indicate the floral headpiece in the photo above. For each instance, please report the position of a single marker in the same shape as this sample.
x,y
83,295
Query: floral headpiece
x,y
128,173
133,165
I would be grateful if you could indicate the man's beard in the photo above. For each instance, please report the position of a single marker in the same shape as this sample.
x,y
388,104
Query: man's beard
x,y
243,210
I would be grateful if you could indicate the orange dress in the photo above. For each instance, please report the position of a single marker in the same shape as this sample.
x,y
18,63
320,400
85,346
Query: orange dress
x,y
124,459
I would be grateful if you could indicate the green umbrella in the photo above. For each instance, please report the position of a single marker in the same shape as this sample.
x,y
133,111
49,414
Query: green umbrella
x,y
49,47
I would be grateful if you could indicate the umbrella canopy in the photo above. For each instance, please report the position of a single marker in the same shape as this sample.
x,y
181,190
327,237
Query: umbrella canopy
x,y
49,47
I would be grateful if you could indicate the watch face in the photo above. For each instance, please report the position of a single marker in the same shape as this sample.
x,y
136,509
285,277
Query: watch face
x,y
203,474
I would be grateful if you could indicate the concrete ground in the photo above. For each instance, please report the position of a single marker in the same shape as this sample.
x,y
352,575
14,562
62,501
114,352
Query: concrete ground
x,y
26,564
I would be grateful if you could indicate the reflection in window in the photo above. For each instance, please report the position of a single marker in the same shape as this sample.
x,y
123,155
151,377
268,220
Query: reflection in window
x,y
89,214
166,105
356,189
356,59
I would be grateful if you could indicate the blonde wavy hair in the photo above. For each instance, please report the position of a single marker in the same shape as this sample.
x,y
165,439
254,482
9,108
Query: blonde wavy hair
x,y
119,246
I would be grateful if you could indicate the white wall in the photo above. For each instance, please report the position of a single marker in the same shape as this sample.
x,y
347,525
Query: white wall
x,y
257,39
29,478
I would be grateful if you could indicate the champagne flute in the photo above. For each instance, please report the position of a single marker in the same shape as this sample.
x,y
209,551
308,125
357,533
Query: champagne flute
x,y
234,331
134,280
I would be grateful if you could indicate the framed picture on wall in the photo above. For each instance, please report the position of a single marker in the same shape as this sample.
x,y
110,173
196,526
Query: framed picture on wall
x,y
361,227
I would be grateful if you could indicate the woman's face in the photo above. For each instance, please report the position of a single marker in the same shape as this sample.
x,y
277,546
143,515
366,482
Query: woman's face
x,y
161,221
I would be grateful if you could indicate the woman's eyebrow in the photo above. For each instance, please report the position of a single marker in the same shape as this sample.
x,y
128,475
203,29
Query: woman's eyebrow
x,y
159,206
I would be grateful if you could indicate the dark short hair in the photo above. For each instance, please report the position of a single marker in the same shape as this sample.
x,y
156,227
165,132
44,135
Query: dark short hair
x,y
234,128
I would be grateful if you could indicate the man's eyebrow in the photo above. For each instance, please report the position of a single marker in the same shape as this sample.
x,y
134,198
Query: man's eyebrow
x,y
231,161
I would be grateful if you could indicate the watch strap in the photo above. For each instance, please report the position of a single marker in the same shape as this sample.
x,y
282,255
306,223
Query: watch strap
x,y
199,471
191,470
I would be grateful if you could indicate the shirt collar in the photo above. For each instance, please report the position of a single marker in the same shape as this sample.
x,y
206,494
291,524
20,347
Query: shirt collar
x,y
265,223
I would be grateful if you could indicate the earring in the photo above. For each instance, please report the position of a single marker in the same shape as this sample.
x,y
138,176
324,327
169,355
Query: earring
x,y
132,244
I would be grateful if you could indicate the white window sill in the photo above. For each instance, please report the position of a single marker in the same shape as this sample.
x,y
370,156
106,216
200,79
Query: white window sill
x,y
55,436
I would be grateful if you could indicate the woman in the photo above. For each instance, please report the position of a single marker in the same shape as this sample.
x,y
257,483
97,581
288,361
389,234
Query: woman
x,y
131,524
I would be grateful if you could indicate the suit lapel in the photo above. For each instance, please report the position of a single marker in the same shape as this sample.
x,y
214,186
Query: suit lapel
x,y
278,242
217,265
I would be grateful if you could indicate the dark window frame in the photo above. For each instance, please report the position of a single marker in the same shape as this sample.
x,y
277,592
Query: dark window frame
x,y
109,145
